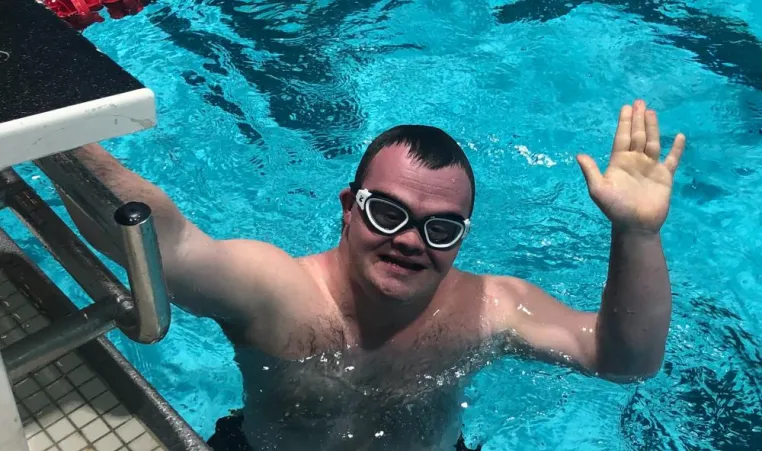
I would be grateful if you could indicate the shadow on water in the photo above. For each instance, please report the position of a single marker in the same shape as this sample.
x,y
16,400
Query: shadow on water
x,y
724,45
304,91
713,405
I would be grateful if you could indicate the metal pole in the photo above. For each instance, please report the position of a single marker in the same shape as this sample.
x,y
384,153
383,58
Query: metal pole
x,y
84,189
144,269
132,223
87,269
57,339
95,278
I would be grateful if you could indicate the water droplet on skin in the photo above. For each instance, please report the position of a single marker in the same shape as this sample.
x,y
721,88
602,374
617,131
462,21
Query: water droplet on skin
x,y
523,309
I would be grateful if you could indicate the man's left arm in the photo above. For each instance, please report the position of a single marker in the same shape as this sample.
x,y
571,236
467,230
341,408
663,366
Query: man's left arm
x,y
626,338
636,308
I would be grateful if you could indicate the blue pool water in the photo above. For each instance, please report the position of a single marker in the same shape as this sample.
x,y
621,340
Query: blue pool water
x,y
265,106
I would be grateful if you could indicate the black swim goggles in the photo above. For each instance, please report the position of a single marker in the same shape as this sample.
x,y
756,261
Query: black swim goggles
x,y
388,217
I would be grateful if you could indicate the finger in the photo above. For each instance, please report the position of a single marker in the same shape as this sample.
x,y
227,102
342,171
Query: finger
x,y
623,130
673,159
653,147
589,170
638,139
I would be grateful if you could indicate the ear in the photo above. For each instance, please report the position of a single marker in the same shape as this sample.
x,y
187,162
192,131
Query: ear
x,y
347,199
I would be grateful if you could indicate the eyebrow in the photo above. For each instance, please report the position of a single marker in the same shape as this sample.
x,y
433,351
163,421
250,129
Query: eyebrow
x,y
405,205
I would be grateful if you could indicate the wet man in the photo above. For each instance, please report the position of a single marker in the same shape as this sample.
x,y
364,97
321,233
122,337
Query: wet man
x,y
367,345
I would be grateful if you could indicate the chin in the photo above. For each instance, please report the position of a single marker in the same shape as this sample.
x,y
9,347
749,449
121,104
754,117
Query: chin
x,y
397,290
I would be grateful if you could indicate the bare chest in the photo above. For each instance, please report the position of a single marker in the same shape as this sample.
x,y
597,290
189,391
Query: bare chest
x,y
387,399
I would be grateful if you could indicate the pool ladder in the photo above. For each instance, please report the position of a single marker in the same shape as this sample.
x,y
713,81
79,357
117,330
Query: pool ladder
x,y
141,313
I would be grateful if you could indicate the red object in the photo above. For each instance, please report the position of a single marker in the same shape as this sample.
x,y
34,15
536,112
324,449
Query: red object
x,y
80,14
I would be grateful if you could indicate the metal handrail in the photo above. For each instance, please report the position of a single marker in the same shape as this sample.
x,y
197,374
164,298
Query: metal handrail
x,y
142,314
144,269
130,223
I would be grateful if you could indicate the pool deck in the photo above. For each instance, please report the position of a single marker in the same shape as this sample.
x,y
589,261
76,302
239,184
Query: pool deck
x,y
89,399
65,406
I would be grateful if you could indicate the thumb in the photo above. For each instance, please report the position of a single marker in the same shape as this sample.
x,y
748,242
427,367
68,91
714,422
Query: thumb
x,y
589,169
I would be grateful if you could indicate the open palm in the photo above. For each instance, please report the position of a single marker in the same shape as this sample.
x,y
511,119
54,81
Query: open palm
x,y
634,192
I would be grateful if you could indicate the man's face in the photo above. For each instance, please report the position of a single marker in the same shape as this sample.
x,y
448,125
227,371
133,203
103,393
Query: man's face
x,y
402,266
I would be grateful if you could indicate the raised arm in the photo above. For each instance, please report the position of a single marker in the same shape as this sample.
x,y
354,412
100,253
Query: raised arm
x,y
252,287
627,337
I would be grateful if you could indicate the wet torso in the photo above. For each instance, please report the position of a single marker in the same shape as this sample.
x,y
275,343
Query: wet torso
x,y
405,395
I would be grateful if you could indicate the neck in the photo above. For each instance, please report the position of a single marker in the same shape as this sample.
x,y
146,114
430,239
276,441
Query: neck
x,y
375,318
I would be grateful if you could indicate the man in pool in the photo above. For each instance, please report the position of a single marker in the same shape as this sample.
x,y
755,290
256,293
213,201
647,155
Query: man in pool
x,y
363,347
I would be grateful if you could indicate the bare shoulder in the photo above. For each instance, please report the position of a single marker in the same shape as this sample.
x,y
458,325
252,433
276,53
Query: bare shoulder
x,y
261,294
510,304
480,305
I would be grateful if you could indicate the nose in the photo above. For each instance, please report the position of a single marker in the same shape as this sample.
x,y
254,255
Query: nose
x,y
409,242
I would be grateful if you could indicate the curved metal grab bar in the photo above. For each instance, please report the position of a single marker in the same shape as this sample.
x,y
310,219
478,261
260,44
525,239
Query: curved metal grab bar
x,y
144,269
129,222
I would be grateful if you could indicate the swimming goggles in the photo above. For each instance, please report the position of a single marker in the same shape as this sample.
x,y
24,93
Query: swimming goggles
x,y
388,217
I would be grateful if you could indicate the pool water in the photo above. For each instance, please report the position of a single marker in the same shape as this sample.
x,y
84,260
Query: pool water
x,y
265,107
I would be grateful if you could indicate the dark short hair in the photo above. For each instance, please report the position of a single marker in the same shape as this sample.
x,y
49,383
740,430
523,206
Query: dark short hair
x,y
430,146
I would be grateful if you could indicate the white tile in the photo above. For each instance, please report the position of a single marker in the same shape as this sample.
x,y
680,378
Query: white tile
x,y
116,416
95,430
71,402
104,402
25,313
92,388
31,428
60,429
108,443
58,389
14,301
6,289
36,402
23,413
7,323
69,362
143,443
130,430
74,442
80,375
36,324
13,336
48,415
25,388
47,375
83,415
39,442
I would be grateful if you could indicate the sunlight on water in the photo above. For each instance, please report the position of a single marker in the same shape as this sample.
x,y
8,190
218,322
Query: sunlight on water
x,y
264,109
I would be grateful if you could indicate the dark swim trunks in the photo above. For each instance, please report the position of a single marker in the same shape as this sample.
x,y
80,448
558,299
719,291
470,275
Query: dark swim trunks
x,y
228,436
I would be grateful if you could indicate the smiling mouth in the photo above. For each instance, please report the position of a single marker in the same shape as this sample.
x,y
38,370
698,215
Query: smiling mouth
x,y
402,263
